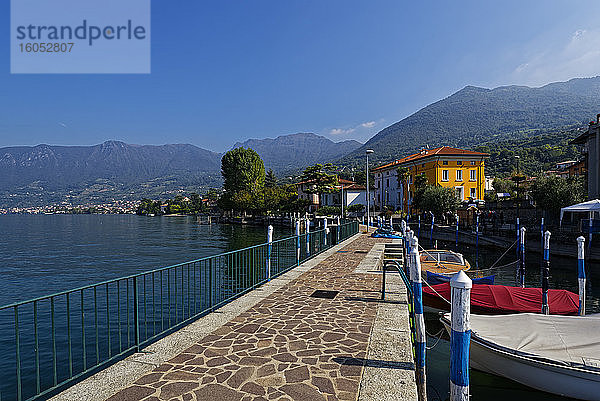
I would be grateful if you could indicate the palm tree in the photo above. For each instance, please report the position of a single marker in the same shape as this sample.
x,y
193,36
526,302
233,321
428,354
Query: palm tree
x,y
402,175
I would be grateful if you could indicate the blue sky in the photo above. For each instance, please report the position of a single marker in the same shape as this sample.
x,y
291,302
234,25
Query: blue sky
x,y
226,71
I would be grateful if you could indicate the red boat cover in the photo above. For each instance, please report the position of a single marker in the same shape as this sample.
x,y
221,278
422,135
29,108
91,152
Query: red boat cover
x,y
499,299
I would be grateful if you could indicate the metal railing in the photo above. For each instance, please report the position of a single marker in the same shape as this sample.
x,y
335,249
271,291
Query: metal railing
x,y
50,342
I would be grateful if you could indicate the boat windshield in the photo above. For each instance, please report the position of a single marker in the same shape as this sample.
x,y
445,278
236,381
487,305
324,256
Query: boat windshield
x,y
439,257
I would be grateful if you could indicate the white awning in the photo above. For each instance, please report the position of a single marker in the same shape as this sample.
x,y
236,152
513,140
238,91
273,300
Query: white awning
x,y
585,207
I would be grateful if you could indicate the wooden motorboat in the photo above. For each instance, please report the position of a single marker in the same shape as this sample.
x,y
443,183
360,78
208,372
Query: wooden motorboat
x,y
556,354
443,261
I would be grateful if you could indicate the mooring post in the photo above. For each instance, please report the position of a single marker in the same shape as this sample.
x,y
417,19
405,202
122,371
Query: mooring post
x,y
391,223
522,257
581,274
432,223
269,250
477,240
545,273
460,336
297,242
307,229
420,338
457,231
542,231
518,237
591,227
419,229
325,232
339,227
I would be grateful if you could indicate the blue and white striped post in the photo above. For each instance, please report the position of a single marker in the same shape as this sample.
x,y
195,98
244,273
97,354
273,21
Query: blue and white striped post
x,y
591,227
522,257
460,336
456,231
269,250
432,223
581,273
419,229
298,242
307,229
339,227
391,223
476,240
518,236
420,338
546,273
325,232
542,231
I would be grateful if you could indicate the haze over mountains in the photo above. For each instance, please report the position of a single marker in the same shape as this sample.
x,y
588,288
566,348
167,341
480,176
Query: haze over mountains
x,y
473,115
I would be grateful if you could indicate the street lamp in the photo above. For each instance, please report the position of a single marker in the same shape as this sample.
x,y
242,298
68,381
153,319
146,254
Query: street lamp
x,y
368,152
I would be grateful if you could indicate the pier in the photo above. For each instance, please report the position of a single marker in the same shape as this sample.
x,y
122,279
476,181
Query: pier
x,y
317,332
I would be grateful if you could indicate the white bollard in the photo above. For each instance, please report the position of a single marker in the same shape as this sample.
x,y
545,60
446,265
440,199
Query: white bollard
x,y
307,229
339,226
298,242
325,232
269,250
420,336
581,273
460,336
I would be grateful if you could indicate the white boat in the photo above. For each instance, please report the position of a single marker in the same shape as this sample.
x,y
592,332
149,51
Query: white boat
x,y
552,353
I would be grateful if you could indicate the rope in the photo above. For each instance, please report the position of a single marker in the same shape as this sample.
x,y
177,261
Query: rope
x,y
437,293
504,254
438,335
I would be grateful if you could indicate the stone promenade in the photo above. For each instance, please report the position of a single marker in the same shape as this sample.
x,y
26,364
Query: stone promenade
x,y
289,345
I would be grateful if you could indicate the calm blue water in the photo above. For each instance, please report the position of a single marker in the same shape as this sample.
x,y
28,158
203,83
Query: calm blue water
x,y
44,254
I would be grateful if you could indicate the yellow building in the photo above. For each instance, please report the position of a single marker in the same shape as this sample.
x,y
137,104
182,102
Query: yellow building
x,y
458,169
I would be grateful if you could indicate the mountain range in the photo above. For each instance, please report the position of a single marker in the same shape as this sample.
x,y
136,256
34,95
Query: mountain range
x,y
467,118
292,152
473,115
33,175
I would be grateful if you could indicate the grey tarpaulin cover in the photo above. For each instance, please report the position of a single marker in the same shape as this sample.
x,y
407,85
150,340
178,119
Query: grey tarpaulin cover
x,y
574,339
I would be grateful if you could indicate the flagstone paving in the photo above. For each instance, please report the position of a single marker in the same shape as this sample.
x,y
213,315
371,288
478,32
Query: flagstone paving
x,y
289,346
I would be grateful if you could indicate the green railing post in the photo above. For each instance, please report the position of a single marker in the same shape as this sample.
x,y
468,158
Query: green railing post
x,y
136,324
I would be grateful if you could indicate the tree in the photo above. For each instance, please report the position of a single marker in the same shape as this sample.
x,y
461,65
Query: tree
x,y
244,177
148,206
242,170
438,200
270,179
552,193
319,179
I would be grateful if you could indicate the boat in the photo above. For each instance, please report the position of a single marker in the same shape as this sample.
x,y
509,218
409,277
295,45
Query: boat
x,y
435,278
443,261
385,233
555,354
501,299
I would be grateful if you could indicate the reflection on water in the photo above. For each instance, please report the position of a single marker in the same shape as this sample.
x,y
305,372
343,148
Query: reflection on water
x,y
484,386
